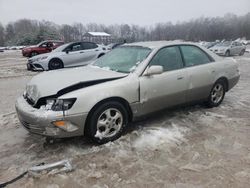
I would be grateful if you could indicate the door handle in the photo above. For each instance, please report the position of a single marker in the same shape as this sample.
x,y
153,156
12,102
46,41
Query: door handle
x,y
180,78
81,52
96,50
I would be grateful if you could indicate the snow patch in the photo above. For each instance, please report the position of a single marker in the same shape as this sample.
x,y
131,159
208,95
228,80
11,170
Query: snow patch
x,y
153,137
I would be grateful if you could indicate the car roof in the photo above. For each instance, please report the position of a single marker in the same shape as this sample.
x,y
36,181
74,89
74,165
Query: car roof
x,y
52,41
158,44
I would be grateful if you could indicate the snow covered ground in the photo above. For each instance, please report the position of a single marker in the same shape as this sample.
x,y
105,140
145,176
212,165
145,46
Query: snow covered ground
x,y
185,147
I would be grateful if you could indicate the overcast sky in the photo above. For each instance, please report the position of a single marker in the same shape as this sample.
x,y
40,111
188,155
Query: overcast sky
x,y
142,12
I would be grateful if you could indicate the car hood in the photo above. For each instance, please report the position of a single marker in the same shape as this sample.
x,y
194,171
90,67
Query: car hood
x,y
38,56
59,82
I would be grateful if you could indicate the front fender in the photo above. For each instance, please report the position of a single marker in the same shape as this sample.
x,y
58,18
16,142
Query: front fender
x,y
126,88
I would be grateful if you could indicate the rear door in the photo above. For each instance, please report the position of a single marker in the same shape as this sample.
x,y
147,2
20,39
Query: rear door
x,y
240,47
200,71
166,89
89,53
234,48
72,54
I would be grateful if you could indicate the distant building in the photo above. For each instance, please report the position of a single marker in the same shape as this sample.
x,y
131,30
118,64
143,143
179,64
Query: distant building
x,y
98,37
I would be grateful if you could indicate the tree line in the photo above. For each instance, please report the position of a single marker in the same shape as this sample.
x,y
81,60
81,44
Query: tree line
x,y
228,27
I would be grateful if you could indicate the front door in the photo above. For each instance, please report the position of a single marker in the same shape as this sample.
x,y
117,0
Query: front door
x,y
73,54
166,89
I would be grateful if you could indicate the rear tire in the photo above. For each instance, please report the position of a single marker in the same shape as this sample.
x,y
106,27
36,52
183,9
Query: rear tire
x,y
217,94
227,54
107,122
55,64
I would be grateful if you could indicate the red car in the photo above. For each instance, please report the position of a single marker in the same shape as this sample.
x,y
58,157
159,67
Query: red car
x,y
41,48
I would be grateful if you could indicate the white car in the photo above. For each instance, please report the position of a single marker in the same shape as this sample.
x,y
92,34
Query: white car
x,y
68,55
228,48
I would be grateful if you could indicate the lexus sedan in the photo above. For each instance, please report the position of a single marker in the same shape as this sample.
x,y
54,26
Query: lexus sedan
x,y
67,55
100,99
229,48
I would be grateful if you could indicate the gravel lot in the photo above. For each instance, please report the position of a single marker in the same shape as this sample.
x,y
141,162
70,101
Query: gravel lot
x,y
185,147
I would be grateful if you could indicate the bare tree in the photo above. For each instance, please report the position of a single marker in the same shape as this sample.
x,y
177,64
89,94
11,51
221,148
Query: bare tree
x,y
228,27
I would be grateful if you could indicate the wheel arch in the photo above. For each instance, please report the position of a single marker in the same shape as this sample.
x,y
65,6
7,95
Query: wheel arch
x,y
225,80
101,54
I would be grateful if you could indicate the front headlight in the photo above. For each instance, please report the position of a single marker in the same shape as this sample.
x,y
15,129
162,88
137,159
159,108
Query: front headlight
x,y
59,104
44,57
40,58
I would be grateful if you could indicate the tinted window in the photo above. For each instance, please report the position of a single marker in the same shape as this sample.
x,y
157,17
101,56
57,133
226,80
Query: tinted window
x,y
194,56
234,43
239,44
89,45
74,47
169,58
49,44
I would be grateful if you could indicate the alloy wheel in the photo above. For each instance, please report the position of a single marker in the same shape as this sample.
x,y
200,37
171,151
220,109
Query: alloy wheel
x,y
109,123
217,93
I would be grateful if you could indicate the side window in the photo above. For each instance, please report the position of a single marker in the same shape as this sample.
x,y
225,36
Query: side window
x,y
89,45
169,58
49,44
44,45
194,56
74,47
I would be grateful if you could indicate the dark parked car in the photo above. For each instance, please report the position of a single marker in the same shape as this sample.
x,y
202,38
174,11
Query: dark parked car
x,y
41,48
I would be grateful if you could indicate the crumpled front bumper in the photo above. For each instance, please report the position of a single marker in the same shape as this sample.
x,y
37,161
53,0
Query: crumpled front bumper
x,y
39,121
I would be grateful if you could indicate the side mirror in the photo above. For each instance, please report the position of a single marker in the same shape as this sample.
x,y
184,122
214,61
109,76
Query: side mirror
x,y
152,70
67,51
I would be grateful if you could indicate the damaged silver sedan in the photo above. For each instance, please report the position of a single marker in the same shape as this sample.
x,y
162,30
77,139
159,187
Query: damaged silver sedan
x,y
99,100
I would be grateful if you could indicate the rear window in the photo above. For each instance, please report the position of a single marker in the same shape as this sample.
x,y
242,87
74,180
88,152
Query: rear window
x,y
89,45
194,56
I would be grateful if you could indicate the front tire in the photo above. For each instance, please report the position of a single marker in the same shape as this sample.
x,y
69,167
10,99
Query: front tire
x,y
217,94
55,64
107,122
242,52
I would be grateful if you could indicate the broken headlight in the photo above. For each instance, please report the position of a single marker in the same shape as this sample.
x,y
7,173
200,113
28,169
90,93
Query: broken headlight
x,y
59,104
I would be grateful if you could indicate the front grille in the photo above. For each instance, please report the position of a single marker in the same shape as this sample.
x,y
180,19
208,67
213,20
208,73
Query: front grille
x,y
37,66
33,128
